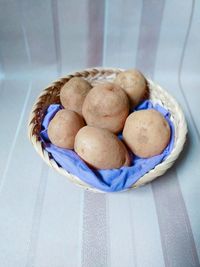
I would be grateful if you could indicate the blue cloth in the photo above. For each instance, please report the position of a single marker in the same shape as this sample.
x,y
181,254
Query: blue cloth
x,y
111,180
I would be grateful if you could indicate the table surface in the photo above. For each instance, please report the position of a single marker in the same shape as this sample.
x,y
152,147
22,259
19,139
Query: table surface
x,y
46,221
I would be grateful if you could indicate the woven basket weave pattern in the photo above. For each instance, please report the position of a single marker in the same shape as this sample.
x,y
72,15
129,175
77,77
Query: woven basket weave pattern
x,y
50,95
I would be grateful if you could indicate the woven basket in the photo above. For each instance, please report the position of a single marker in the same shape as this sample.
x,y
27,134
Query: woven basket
x,y
50,95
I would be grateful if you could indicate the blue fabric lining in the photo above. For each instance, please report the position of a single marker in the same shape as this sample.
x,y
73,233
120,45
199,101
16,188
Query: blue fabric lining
x,y
111,180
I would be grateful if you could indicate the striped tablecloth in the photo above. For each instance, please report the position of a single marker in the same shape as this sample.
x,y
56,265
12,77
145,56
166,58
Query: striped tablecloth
x,y
45,221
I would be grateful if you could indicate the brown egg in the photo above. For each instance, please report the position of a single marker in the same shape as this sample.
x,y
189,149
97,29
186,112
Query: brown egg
x,y
106,106
146,133
134,84
73,93
100,148
63,128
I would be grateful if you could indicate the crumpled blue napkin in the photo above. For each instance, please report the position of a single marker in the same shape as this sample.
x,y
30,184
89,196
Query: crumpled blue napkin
x,y
110,180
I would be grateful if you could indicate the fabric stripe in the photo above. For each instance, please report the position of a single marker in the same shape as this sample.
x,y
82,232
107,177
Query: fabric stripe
x,y
32,246
176,233
73,29
20,187
37,211
94,244
21,115
56,28
166,191
2,82
37,26
36,220
188,87
151,19
122,21
2,180
95,32
95,228
2,72
26,43
147,246
105,32
181,67
195,252
120,231
15,60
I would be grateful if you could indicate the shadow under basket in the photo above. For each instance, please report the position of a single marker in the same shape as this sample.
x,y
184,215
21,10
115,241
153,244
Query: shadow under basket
x,y
51,95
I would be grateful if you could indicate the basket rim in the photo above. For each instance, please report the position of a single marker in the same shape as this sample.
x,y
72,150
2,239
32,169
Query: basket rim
x,y
157,171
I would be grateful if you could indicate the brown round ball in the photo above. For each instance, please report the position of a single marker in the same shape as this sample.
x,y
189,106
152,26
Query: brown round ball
x,y
100,148
106,106
134,84
63,128
73,93
146,133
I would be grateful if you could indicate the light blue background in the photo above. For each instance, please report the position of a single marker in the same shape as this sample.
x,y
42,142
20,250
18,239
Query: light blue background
x,y
45,221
